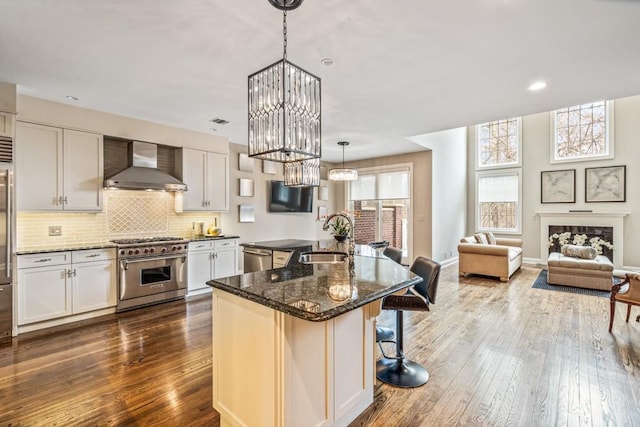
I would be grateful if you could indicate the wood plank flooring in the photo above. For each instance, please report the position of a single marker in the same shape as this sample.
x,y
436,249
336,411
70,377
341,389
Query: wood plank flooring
x,y
498,354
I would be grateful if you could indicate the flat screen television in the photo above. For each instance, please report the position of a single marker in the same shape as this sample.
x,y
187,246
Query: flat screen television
x,y
290,199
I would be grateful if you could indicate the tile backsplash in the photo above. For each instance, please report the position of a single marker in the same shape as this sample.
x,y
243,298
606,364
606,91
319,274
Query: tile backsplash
x,y
126,214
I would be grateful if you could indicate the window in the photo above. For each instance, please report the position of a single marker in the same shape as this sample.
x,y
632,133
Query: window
x,y
498,201
582,132
381,202
498,144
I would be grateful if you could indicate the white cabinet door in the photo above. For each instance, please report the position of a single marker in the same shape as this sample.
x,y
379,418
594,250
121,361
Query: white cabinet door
x,y
58,169
207,176
192,170
199,269
38,167
43,293
83,171
6,124
225,262
218,181
94,285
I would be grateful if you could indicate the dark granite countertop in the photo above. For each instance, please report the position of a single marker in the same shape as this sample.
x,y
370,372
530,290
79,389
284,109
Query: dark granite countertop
x,y
223,237
26,250
303,290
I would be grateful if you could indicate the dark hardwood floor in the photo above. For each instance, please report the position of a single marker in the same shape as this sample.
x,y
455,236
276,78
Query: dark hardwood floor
x,y
498,354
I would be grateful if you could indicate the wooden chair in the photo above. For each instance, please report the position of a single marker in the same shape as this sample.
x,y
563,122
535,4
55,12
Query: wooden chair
x,y
627,292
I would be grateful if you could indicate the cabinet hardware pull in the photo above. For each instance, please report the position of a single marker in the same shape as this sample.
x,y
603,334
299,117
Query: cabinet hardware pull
x,y
74,272
60,201
43,260
68,273
65,200
92,256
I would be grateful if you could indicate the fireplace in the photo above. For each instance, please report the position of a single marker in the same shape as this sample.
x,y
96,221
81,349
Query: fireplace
x,y
602,232
613,220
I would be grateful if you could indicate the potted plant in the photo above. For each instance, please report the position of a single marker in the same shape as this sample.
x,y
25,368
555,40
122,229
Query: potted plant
x,y
340,229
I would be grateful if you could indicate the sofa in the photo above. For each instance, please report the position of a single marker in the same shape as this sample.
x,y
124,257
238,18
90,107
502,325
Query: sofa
x,y
499,257
594,273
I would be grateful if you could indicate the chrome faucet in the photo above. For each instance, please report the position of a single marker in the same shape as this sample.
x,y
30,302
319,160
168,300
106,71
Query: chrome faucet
x,y
352,245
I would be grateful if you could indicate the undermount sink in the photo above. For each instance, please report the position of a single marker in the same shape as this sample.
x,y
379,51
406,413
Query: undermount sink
x,y
322,257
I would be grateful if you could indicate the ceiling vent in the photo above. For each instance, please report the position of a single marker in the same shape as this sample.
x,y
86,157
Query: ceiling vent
x,y
219,121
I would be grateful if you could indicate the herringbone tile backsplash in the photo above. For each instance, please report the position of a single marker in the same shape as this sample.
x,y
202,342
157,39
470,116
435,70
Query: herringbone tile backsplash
x,y
126,214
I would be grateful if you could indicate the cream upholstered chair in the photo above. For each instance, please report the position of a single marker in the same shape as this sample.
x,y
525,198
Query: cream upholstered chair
x,y
627,292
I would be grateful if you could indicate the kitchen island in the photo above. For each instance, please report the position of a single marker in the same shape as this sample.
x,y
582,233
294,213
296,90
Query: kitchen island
x,y
295,346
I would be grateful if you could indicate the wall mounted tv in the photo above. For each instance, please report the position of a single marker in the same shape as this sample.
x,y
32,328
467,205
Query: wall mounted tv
x,y
290,199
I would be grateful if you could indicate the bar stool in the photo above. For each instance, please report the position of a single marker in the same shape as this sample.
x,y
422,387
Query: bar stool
x,y
386,334
398,370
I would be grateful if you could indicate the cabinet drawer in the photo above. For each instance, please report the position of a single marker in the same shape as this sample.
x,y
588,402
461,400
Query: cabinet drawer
x,y
226,243
200,245
92,255
44,259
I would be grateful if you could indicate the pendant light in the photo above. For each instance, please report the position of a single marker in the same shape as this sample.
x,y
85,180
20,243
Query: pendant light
x,y
343,174
305,173
284,107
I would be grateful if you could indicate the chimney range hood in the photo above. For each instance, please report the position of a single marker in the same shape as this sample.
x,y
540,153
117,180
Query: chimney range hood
x,y
143,174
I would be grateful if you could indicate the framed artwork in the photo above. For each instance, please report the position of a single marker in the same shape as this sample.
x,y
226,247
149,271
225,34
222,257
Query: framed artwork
x,y
607,184
246,213
322,212
323,193
246,187
558,186
269,167
245,163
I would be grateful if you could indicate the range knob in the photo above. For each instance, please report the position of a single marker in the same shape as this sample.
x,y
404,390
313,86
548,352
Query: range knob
x,y
137,251
173,248
179,247
164,249
152,250
122,251
130,252
146,250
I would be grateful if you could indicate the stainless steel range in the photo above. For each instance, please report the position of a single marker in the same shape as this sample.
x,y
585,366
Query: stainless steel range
x,y
151,270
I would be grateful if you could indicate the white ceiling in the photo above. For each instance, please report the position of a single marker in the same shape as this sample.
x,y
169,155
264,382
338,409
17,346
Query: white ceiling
x,y
402,68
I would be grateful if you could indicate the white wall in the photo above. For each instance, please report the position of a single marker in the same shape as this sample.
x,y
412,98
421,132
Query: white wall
x,y
449,203
536,134
269,226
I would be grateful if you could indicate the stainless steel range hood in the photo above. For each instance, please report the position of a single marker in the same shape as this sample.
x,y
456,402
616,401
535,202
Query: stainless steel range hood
x,y
143,174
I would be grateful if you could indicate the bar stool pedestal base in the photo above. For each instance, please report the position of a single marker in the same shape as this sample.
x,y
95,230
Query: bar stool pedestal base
x,y
401,373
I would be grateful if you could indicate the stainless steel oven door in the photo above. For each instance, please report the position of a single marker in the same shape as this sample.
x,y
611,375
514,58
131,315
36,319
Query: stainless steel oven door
x,y
156,278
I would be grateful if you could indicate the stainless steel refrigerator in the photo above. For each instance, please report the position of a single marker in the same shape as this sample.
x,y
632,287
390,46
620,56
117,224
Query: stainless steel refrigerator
x,y
6,238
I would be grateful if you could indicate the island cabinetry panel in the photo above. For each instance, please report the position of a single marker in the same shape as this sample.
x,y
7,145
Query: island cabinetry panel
x,y
211,259
308,373
53,285
207,176
58,169
6,124
281,258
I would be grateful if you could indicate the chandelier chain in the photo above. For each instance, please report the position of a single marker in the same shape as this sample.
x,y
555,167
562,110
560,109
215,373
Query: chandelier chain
x,y
284,32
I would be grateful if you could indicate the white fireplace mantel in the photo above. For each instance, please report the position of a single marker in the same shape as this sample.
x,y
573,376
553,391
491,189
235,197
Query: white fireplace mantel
x,y
584,218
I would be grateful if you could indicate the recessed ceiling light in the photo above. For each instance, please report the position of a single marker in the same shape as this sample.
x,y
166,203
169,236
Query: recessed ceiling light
x,y
72,98
537,86
327,61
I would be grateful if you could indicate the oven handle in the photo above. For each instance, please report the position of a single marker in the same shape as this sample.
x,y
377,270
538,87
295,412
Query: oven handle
x,y
125,262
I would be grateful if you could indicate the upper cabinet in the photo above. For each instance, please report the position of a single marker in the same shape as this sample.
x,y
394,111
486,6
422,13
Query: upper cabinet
x,y
207,176
6,124
58,169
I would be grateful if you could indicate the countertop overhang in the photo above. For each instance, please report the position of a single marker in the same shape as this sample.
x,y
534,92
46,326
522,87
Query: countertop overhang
x,y
303,290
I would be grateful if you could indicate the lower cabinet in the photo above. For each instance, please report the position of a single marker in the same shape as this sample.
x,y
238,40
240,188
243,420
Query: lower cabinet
x,y
58,284
211,259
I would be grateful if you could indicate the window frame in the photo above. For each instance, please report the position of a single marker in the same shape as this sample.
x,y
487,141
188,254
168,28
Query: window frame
x,y
609,139
496,173
517,164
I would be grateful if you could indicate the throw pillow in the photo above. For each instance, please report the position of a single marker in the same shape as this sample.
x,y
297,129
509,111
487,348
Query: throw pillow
x,y
584,252
481,238
491,238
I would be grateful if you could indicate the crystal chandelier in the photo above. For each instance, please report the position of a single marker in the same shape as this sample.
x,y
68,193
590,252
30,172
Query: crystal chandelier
x,y
284,107
343,174
305,173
